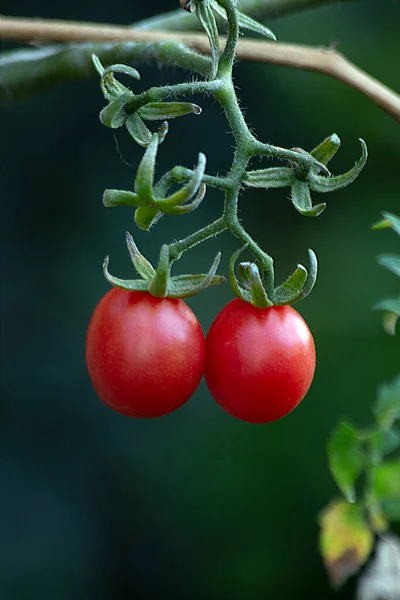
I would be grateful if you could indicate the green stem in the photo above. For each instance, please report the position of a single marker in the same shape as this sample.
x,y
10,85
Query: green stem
x,y
158,94
228,56
177,248
181,174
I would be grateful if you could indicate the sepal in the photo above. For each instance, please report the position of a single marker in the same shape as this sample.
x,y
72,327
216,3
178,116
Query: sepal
x,y
274,177
302,202
159,282
331,184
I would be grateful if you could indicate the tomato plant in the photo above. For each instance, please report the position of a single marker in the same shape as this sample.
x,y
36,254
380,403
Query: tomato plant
x,y
145,355
260,362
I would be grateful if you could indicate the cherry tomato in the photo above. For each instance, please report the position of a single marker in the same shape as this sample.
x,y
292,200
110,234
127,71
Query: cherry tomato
x,y
145,355
259,362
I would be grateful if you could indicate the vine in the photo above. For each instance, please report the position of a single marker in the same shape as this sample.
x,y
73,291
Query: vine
x,y
303,172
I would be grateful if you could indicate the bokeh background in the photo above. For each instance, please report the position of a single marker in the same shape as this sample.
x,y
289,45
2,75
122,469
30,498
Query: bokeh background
x,y
95,506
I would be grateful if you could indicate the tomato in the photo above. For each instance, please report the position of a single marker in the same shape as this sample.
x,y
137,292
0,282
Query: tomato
x,y
145,355
260,362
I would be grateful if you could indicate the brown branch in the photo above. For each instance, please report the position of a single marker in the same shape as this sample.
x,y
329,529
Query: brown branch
x,y
326,61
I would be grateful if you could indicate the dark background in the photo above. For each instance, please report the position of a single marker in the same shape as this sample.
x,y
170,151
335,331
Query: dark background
x,y
194,505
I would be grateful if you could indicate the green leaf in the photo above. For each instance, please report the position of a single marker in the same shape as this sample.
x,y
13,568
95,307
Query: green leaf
x,y
386,441
114,115
301,199
113,198
145,173
387,407
346,541
390,221
393,220
159,111
392,306
391,262
322,184
386,481
138,130
275,177
346,458
246,22
326,149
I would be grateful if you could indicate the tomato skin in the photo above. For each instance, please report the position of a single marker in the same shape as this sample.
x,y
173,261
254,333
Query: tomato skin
x,y
145,355
259,362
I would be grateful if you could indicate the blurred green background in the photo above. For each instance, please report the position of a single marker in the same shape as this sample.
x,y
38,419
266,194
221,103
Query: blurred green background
x,y
194,505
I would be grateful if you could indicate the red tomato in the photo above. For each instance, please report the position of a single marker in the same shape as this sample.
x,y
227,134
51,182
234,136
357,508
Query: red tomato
x,y
259,362
145,355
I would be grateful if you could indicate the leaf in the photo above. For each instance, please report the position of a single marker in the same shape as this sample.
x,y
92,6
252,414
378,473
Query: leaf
x,y
346,458
390,221
327,149
159,111
386,441
275,177
246,22
391,262
392,306
386,480
387,407
393,220
302,202
331,184
345,540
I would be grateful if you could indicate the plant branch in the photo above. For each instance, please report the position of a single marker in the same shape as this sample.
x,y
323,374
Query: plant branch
x,y
24,71
179,20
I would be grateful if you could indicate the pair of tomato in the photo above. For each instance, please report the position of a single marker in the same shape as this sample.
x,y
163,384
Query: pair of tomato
x,y
146,356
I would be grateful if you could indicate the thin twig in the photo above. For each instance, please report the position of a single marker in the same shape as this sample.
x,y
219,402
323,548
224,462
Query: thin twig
x,y
326,61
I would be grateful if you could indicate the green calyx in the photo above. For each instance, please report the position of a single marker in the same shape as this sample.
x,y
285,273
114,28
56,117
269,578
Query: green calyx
x,y
251,282
121,110
303,182
158,282
152,200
